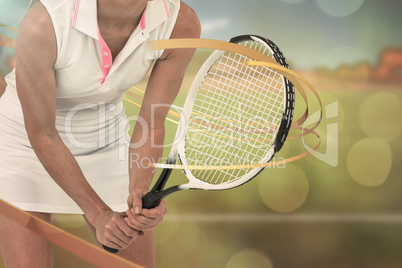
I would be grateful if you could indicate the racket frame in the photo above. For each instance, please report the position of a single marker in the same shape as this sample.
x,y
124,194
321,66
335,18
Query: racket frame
x,y
155,196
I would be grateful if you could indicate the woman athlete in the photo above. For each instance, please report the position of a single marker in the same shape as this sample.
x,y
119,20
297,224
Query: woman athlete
x,y
63,135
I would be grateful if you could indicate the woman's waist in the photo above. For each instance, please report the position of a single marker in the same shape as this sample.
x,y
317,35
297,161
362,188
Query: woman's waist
x,y
86,127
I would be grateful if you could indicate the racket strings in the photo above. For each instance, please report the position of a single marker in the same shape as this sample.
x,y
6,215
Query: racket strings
x,y
233,113
232,99
252,73
243,81
250,87
273,80
232,161
259,102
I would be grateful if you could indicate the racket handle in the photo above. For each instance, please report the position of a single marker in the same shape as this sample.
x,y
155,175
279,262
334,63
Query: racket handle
x,y
111,250
149,201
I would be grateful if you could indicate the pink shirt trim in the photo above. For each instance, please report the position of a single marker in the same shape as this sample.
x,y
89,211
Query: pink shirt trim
x,y
107,59
77,7
143,16
143,21
166,8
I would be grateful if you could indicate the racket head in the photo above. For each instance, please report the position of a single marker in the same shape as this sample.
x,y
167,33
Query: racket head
x,y
235,115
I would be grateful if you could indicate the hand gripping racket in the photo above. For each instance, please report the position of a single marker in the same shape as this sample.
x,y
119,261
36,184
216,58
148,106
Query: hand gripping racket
x,y
235,114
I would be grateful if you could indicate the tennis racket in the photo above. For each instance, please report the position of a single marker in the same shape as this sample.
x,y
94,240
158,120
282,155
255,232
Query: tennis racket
x,y
235,114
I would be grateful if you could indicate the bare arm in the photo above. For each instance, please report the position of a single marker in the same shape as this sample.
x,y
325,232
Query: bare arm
x,y
36,55
2,86
163,87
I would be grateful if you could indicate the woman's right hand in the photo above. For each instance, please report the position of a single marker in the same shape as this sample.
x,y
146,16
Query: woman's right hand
x,y
112,229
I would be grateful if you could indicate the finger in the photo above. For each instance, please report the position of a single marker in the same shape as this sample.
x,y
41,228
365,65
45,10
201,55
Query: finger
x,y
127,229
140,223
155,213
148,220
113,241
139,226
137,203
115,230
148,217
143,219
132,221
130,215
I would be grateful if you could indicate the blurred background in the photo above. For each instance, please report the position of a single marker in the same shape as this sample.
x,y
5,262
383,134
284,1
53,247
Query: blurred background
x,y
341,206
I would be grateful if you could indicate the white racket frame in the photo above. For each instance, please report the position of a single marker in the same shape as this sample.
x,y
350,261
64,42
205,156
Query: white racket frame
x,y
178,149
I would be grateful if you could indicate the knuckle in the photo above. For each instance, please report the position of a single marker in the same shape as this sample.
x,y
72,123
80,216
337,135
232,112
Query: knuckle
x,y
107,236
129,219
157,214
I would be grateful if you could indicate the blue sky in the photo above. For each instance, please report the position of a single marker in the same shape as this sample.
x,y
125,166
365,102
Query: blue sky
x,y
311,33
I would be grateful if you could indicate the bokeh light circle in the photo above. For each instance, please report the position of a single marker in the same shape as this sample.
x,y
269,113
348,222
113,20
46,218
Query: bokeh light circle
x,y
168,229
339,8
249,258
380,116
284,189
369,162
189,238
192,243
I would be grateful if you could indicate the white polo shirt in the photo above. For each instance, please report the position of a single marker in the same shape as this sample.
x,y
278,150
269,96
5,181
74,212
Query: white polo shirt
x,y
89,110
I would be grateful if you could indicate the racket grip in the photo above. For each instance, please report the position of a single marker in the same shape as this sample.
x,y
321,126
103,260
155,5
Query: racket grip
x,y
111,250
149,201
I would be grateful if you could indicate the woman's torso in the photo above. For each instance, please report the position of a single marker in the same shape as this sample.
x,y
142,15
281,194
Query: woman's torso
x,y
90,84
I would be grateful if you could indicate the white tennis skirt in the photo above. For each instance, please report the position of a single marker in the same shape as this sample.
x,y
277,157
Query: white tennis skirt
x,y
25,183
